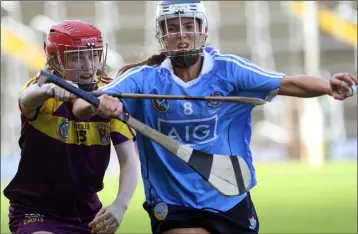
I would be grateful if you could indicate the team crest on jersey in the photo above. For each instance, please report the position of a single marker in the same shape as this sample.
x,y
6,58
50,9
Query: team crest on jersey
x,y
62,130
253,222
31,218
161,105
160,211
104,133
214,104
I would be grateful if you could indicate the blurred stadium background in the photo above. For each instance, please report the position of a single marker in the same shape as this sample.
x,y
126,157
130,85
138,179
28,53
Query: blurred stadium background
x,y
305,151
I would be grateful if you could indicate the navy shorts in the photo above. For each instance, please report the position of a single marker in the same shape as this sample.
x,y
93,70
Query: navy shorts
x,y
242,218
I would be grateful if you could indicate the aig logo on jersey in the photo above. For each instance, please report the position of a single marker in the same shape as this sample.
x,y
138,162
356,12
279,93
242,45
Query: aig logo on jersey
x,y
214,104
190,132
161,105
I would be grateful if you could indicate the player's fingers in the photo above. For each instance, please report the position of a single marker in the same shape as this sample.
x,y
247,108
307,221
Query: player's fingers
x,y
51,92
339,84
72,97
345,77
339,74
339,96
97,220
100,212
102,225
103,105
67,96
118,111
111,228
354,78
334,82
59,93
62,94
109,106
112,104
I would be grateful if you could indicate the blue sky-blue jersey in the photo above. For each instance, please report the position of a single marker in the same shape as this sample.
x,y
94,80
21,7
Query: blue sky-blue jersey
x,y
213,127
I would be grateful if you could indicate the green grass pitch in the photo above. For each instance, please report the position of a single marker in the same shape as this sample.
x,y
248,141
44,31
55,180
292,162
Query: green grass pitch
x,y
289,198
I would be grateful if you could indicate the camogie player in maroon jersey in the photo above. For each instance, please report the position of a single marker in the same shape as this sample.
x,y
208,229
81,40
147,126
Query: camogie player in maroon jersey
x,y
64,158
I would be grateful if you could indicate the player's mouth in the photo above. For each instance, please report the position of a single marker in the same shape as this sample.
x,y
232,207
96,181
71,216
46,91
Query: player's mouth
x,y
183,46
86,76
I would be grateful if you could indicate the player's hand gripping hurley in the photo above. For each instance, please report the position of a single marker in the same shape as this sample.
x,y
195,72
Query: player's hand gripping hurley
x,y
228,174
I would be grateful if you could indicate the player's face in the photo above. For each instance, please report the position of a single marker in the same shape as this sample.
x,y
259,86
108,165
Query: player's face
x,y
184,35
80,67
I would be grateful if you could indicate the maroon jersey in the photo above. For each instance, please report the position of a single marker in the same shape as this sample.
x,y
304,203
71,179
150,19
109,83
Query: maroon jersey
x,y
63,161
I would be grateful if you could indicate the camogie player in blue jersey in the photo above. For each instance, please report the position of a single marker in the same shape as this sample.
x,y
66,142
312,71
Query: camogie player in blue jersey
x,y
177,198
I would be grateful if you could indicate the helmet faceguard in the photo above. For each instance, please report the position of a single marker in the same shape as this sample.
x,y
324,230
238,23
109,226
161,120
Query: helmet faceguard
x,y
73,38
195,10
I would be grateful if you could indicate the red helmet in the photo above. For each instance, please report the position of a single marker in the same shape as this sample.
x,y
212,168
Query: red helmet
x,y
73,36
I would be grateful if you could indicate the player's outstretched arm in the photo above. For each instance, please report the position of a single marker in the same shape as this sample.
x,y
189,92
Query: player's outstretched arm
x,y
109,218
311,86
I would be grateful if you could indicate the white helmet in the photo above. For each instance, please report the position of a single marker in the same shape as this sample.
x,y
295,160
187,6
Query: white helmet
x,y
181,9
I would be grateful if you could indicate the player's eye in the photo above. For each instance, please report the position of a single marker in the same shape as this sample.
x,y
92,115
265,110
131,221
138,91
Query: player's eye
x,y
189,27
75,58
171,29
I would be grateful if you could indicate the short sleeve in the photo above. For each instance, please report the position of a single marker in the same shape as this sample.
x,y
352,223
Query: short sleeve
x,y
121,132
253,81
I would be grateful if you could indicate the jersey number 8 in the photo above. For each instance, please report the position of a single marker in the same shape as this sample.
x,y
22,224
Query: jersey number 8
x,y
188,108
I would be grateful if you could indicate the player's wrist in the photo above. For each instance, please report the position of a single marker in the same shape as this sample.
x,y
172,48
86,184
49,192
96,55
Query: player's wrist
x,y
120,204
93,109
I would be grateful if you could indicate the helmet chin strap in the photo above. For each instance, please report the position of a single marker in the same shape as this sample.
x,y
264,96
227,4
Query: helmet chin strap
x,y
184,59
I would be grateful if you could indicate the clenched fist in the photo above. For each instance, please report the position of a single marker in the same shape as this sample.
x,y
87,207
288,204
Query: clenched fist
x,y
59,93
109,107
341,84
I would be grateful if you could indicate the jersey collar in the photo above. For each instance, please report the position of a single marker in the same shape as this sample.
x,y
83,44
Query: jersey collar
x,y
208,65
